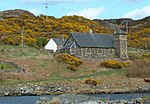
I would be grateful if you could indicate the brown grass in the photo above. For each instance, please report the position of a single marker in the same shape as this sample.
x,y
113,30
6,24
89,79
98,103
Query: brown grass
x,y
55,101
139,68
71,67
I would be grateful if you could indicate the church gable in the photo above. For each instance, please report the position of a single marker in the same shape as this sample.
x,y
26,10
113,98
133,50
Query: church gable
x,y
91,40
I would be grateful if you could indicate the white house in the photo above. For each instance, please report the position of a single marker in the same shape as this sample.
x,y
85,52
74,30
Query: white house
x,y
54,44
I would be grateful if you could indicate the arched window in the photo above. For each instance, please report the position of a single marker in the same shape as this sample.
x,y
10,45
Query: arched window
x,y
93,50
88,50
111,51
100,51
72,51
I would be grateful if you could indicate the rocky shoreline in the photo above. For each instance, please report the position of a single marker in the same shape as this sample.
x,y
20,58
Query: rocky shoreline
x,y
36,90
84,99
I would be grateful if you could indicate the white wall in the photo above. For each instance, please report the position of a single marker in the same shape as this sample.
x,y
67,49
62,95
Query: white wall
x,y
51,45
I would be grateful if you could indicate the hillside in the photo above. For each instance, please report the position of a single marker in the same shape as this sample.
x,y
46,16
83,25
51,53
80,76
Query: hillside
x,y
44,74
15,13
12,21
138,30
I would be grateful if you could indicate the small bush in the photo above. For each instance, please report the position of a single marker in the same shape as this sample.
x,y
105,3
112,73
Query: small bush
x,y
73,68
55,101
68,59
92,81
114,64
139,68
41,42
125,64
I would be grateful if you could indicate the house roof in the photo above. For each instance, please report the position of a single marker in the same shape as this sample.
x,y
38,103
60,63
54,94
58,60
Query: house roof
x,y
68,46
58,41
93,40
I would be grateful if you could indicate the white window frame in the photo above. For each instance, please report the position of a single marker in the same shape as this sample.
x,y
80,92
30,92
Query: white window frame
x,y
89,50
72,51
111,52
99,49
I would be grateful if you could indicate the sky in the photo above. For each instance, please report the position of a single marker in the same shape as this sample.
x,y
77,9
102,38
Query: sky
x,y
91,9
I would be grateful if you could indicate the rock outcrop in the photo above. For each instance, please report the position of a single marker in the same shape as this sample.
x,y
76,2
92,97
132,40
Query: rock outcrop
x,y
15,13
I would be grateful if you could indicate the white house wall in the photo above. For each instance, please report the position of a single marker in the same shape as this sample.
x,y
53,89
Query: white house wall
x,y
51,45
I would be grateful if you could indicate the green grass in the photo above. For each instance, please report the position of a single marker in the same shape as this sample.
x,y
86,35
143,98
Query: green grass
x,y
7,66
21,51
101,73
39,67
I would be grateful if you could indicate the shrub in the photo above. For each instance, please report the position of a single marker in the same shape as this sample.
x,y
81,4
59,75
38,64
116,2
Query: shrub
x,y
92,81
55,101
41,42
68,59
146,55
139,68
125,64
114,64
133,56
73,68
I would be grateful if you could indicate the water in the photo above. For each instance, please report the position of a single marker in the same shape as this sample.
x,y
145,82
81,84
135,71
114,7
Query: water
x,y
22,99
127,96
33,99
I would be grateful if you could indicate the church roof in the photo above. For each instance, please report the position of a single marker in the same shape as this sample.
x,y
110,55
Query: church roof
x,y
93,40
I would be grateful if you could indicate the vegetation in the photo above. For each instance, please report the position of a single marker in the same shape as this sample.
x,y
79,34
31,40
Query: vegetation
x,y
37,26
139,30
92,81
139,68
139,33
71,67
136,53
41,42
68,59
55,101
11,27
140,38
21,51
42,68
114,64
6,66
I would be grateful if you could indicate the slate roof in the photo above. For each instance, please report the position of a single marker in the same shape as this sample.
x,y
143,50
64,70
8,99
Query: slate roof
x,y
58,41
93,40
68,46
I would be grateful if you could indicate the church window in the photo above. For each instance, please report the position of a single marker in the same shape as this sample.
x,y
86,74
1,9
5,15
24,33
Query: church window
x,y
72,51
88,50
100,51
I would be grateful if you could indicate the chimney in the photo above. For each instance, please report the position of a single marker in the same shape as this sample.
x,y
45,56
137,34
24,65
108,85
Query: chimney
x,y
90,31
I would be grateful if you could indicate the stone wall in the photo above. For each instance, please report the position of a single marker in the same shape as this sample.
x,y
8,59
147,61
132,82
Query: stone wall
x,y
92,53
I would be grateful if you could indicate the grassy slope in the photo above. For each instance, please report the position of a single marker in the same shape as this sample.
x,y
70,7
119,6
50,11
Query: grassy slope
x,y
41,67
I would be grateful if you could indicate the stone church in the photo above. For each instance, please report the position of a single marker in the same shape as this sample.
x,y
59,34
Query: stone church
x,y
95,46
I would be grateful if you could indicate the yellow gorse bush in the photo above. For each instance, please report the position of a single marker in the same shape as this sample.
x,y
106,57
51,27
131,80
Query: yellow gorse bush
x,y
92,81
68,59
114,64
